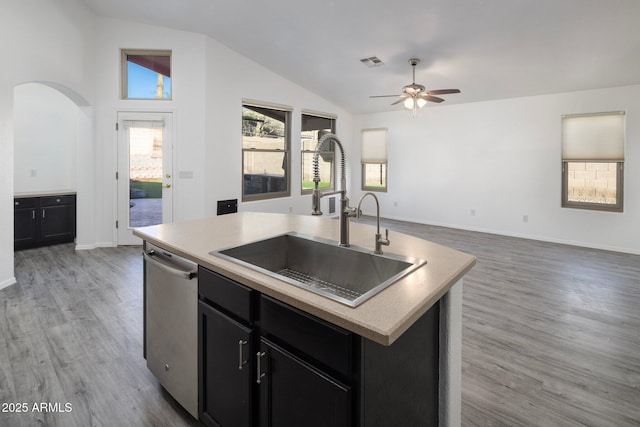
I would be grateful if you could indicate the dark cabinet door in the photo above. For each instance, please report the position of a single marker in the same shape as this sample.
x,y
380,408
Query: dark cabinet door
x,y
294,393
25,230
226,367
47,220
58,223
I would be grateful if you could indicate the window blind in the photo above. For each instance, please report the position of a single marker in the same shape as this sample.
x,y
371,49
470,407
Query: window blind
x,y
374,145
153,124
598,136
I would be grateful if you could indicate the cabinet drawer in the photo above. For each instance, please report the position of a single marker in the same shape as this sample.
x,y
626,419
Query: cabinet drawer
x,y
24,203
317,339
225,293
57,200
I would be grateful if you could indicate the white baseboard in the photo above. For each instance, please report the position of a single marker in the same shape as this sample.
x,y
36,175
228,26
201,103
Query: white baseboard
x,y
95,246
520,235
6,283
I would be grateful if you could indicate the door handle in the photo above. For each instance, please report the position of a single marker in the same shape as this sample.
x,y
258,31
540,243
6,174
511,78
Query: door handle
x,y
241,361
259,374
167,186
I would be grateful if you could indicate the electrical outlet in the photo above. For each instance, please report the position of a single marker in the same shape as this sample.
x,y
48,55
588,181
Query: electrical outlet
x,y
473,212
525,218
395,204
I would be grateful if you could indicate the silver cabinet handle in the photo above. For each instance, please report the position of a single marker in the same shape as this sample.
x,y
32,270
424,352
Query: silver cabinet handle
x,y
33,214
241,361
43,213
259,374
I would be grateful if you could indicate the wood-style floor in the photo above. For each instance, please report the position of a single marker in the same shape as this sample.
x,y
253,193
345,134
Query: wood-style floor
x,y
550,332
551,336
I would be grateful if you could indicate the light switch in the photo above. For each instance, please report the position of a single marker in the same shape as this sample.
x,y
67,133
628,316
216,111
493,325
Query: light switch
x,y
185,174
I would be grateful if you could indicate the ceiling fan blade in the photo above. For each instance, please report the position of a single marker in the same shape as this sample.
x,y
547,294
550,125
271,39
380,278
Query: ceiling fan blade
x,y
384,96
398,101
442,91
432,98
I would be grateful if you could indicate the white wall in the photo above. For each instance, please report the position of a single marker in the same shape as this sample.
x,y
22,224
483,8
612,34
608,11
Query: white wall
x,y
188,108
209,82
230,78
45,133
43,41
502,159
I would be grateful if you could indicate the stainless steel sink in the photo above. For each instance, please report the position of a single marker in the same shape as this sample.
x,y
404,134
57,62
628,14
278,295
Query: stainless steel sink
x,y
349,275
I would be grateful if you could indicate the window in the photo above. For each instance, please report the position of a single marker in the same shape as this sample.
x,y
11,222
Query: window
x,y
593,161
314,126
265,151
146,74
374,159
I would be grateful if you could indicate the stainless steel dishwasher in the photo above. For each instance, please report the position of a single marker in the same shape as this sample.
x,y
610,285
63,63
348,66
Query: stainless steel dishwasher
x,y
171,323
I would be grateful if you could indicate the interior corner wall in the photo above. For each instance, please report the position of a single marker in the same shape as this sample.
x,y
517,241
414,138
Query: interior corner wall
x,y
483,166
45,130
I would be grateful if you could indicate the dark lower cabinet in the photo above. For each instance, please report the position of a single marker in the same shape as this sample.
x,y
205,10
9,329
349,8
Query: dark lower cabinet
x,y
295,393
265,363
226,397
25,229
41,221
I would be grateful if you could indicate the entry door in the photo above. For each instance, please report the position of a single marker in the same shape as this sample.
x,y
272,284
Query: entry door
x,y
145,175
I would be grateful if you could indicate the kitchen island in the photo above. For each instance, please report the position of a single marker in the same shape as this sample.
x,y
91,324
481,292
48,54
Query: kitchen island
x,y
382,320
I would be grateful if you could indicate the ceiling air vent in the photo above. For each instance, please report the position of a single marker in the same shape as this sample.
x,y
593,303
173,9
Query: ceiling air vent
x,y
372,61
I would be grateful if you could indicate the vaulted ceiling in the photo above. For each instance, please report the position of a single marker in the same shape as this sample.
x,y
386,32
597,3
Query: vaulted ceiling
x,y
489,49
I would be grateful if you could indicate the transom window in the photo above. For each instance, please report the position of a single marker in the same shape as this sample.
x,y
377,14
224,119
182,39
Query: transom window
x,y
146,74
593,161
265,151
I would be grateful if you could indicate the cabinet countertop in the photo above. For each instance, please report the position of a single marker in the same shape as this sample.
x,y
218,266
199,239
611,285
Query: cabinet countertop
x,y
382,319
22,195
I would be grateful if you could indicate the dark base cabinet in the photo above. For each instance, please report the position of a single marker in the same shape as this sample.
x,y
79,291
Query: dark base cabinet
x,y
265,363
41,221
295,393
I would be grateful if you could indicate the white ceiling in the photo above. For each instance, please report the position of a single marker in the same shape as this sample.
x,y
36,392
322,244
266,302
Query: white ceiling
x,y
489,49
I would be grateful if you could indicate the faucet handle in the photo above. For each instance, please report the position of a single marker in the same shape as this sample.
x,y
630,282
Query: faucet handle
x,y
352,212
386,240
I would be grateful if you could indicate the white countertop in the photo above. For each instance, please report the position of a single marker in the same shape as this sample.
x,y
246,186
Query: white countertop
x,y
382,319
46,193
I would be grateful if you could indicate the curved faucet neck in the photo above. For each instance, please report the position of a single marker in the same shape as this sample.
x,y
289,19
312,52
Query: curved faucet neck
x,y
316,170
345,210
359,212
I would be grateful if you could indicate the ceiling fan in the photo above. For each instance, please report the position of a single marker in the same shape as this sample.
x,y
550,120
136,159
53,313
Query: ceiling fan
x,y
415,95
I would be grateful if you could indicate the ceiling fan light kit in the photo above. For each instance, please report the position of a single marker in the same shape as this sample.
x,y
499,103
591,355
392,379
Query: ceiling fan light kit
x,y
416,96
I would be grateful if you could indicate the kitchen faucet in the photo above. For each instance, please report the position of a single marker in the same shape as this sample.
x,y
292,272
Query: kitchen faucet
x,y
345,210
379,240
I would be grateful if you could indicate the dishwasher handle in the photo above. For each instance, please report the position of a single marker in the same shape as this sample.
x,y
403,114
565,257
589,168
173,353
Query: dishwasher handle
x,y
148,256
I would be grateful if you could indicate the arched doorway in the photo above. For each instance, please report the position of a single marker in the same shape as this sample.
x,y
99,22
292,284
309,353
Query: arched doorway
x,y
53,147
